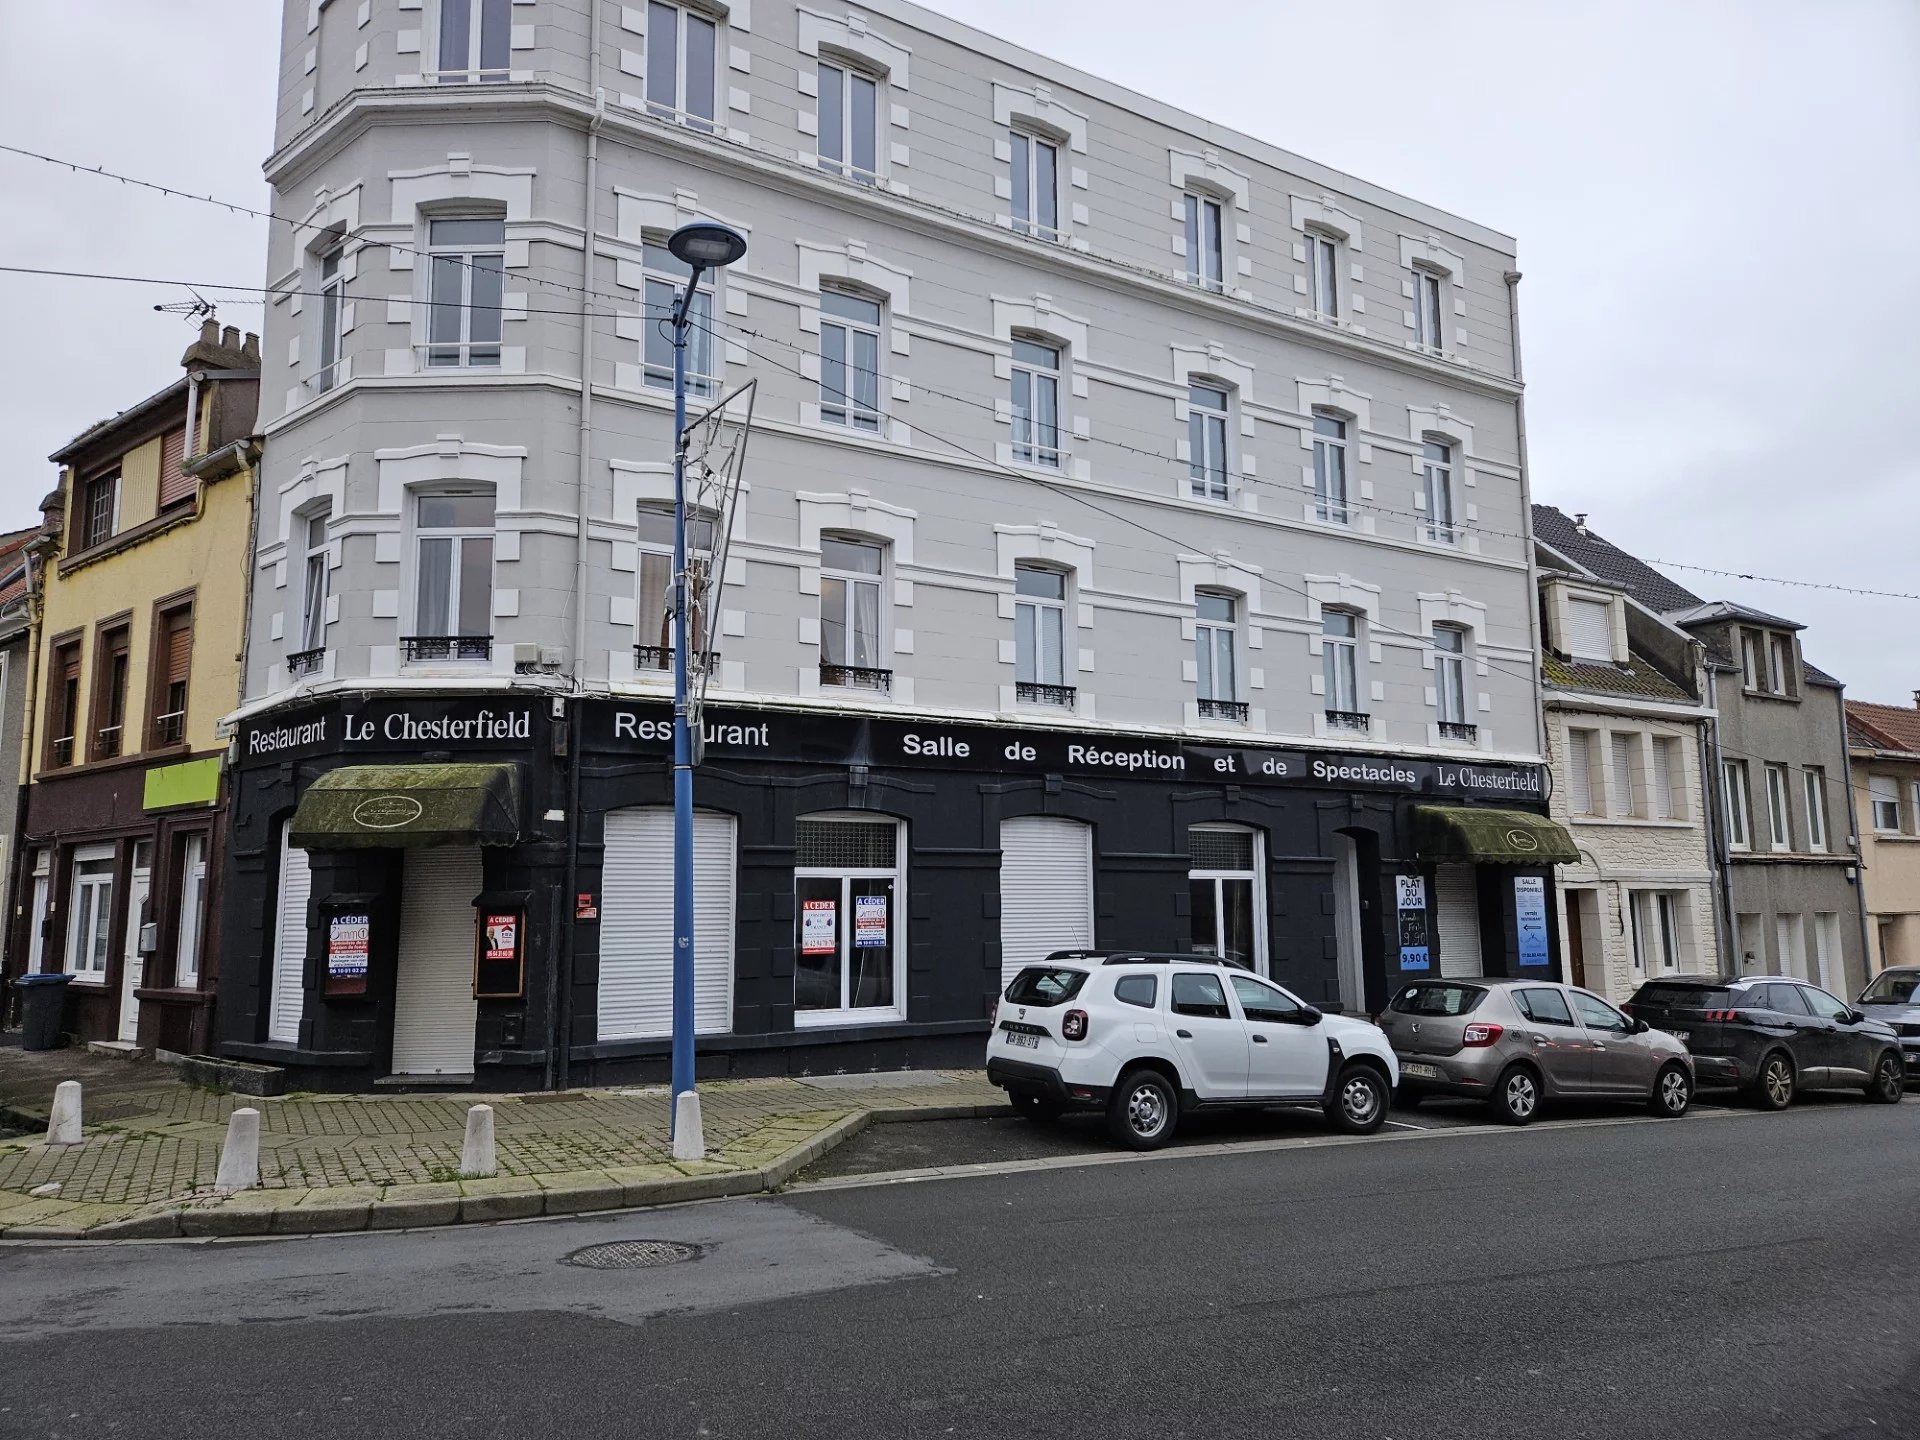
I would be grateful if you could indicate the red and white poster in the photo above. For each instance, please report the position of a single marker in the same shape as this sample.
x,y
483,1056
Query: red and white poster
x,y
819,927
503,937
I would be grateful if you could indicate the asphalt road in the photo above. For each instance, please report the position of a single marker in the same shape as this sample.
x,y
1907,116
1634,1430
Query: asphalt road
x,y
1731,1274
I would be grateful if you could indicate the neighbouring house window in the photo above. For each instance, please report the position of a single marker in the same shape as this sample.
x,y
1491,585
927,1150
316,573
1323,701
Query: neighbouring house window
x,y
1733,775
1215,633
1669,775
849,360
193,910
100,509
1223,880
681,46
1782,674
466,270
850,925
1626,790
1589,629
37,914
1039,632
1779,827
333,288
111,665
313,588
1766,659
90,919
177,486
172,667
1815,780
848,102
453,575
63,704
1437,460
1885,793
475,40
656,585
1207,442
1034,173
1339,662
1036,403
851,652
665,279
1426,309
1330,468
1582,794
1450,674
1206,258
1323,275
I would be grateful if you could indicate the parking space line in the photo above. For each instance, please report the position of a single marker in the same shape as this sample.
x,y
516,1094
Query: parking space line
x,y
1405,1125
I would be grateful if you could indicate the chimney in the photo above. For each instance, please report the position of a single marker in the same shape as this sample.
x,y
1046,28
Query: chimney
x,y
252,348
209,331
1916,699
230,338
1580,521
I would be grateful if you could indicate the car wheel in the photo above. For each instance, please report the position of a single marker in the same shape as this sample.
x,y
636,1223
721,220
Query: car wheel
x,y
1360,1099
1889,1081
1035,1106
1774,1089
1516,1095
1143,1110
1672,1092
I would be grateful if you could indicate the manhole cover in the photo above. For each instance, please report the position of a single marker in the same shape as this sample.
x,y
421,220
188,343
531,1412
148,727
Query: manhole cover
x,y
633,1254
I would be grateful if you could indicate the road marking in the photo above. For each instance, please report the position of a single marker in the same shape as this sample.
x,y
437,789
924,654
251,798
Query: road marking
x,y
1404,1125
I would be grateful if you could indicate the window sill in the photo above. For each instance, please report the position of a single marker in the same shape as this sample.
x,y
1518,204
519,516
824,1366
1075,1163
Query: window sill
x,y
87,982
824,1019
1633,822
1783,698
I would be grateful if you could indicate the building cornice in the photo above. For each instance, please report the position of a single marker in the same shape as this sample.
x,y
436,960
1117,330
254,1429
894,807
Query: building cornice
x,y
1588,701
362,110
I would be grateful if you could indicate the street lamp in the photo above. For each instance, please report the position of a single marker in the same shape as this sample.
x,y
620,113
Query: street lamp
x,y
703,245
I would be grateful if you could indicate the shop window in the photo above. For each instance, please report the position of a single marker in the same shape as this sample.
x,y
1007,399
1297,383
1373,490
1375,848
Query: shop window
x,y
850,930
453,582
110,668
852,610
171,667
1225,889
192,890
90,915
654,650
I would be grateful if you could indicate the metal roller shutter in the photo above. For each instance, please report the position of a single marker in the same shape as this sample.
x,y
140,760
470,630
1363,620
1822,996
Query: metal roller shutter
x,y
433,1004
636,924
1589,630
289,944
1459,900
1046,890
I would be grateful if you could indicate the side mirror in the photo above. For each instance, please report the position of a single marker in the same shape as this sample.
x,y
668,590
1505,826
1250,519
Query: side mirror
x,y
1639,1027
1309,1015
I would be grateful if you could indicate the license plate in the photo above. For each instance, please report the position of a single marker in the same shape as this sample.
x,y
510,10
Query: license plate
x,y
1025,1042
1422,1072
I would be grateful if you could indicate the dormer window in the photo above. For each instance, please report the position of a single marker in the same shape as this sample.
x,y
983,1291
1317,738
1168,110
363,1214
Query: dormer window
x,y
1767,662
1589,629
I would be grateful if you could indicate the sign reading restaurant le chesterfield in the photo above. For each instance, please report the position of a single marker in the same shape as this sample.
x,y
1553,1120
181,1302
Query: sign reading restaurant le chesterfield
x,y
819,739
357,725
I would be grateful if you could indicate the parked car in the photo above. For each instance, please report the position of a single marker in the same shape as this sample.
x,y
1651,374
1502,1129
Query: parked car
x,y
1772,1036
1518,1044
1894,999
1150,1038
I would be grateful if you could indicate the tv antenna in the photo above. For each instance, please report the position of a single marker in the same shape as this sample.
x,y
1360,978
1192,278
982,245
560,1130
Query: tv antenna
x,y
192,311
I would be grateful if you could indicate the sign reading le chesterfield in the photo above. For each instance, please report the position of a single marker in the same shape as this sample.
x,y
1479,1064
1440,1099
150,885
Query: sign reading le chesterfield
x,y
375,726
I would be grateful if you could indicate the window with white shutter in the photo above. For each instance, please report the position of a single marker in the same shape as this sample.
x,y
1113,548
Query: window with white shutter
x,y
289,944
1666,765
1626,798
1580,772
1046,890
1885,791
636,924
1589,630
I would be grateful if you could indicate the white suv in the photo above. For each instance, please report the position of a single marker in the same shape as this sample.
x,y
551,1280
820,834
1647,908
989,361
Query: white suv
x,y
1149,1037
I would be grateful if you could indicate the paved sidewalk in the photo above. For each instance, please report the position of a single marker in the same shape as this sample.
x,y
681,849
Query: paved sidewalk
x,y
348,1162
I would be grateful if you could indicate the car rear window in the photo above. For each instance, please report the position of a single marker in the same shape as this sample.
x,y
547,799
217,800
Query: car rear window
x,y
1658,996
1438,999
1046,985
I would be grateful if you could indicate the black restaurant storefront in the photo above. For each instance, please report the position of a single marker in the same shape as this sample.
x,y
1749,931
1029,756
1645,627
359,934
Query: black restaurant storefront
x,y
409,899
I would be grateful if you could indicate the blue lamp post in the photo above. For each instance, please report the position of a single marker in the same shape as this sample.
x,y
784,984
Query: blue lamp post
x,y
700,246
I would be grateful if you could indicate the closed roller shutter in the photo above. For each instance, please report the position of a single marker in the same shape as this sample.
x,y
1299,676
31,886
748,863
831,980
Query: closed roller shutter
x,y
289,944
433,1004
176,484
636,924
1046,890
1459,900
1589,634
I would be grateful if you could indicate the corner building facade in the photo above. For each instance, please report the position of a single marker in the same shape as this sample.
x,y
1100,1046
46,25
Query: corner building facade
x,y
1132,550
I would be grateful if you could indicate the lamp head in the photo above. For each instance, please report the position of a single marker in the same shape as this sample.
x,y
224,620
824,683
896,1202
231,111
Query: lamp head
x,y
707,245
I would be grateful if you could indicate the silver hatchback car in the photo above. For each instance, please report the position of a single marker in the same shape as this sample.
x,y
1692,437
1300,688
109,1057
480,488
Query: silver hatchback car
x,y
1517,1044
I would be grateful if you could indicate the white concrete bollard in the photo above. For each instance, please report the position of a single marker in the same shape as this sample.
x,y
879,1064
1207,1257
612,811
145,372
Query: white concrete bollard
x,y
476,1156
240,1155
689,1137
63,1125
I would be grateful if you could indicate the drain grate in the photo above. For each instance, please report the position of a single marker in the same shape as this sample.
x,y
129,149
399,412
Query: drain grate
x,y
633,1255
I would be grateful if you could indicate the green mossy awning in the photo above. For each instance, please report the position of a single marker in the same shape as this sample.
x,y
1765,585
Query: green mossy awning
x,y
1490,837
363,807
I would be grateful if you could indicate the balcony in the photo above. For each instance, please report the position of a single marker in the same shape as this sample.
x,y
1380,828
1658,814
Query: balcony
x,y
306,662
1234,710
1459,730
857,677
447,647
106,742
660,657
1029,692
1356,722
63,751
170,728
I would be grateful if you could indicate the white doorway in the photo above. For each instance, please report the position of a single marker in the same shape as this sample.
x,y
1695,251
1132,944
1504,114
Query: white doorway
x,y
434,1012
133,964
1346,924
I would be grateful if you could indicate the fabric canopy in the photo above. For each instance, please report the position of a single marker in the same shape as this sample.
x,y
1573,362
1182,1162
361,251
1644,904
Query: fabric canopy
x,y
1490,837
360,807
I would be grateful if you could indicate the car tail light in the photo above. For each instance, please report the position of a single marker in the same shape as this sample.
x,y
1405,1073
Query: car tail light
x,y
993,1015
1733,1017
1478,1035
1073,1026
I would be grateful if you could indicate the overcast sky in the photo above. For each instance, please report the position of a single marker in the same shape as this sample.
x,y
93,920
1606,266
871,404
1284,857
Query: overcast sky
x,y
1717,206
